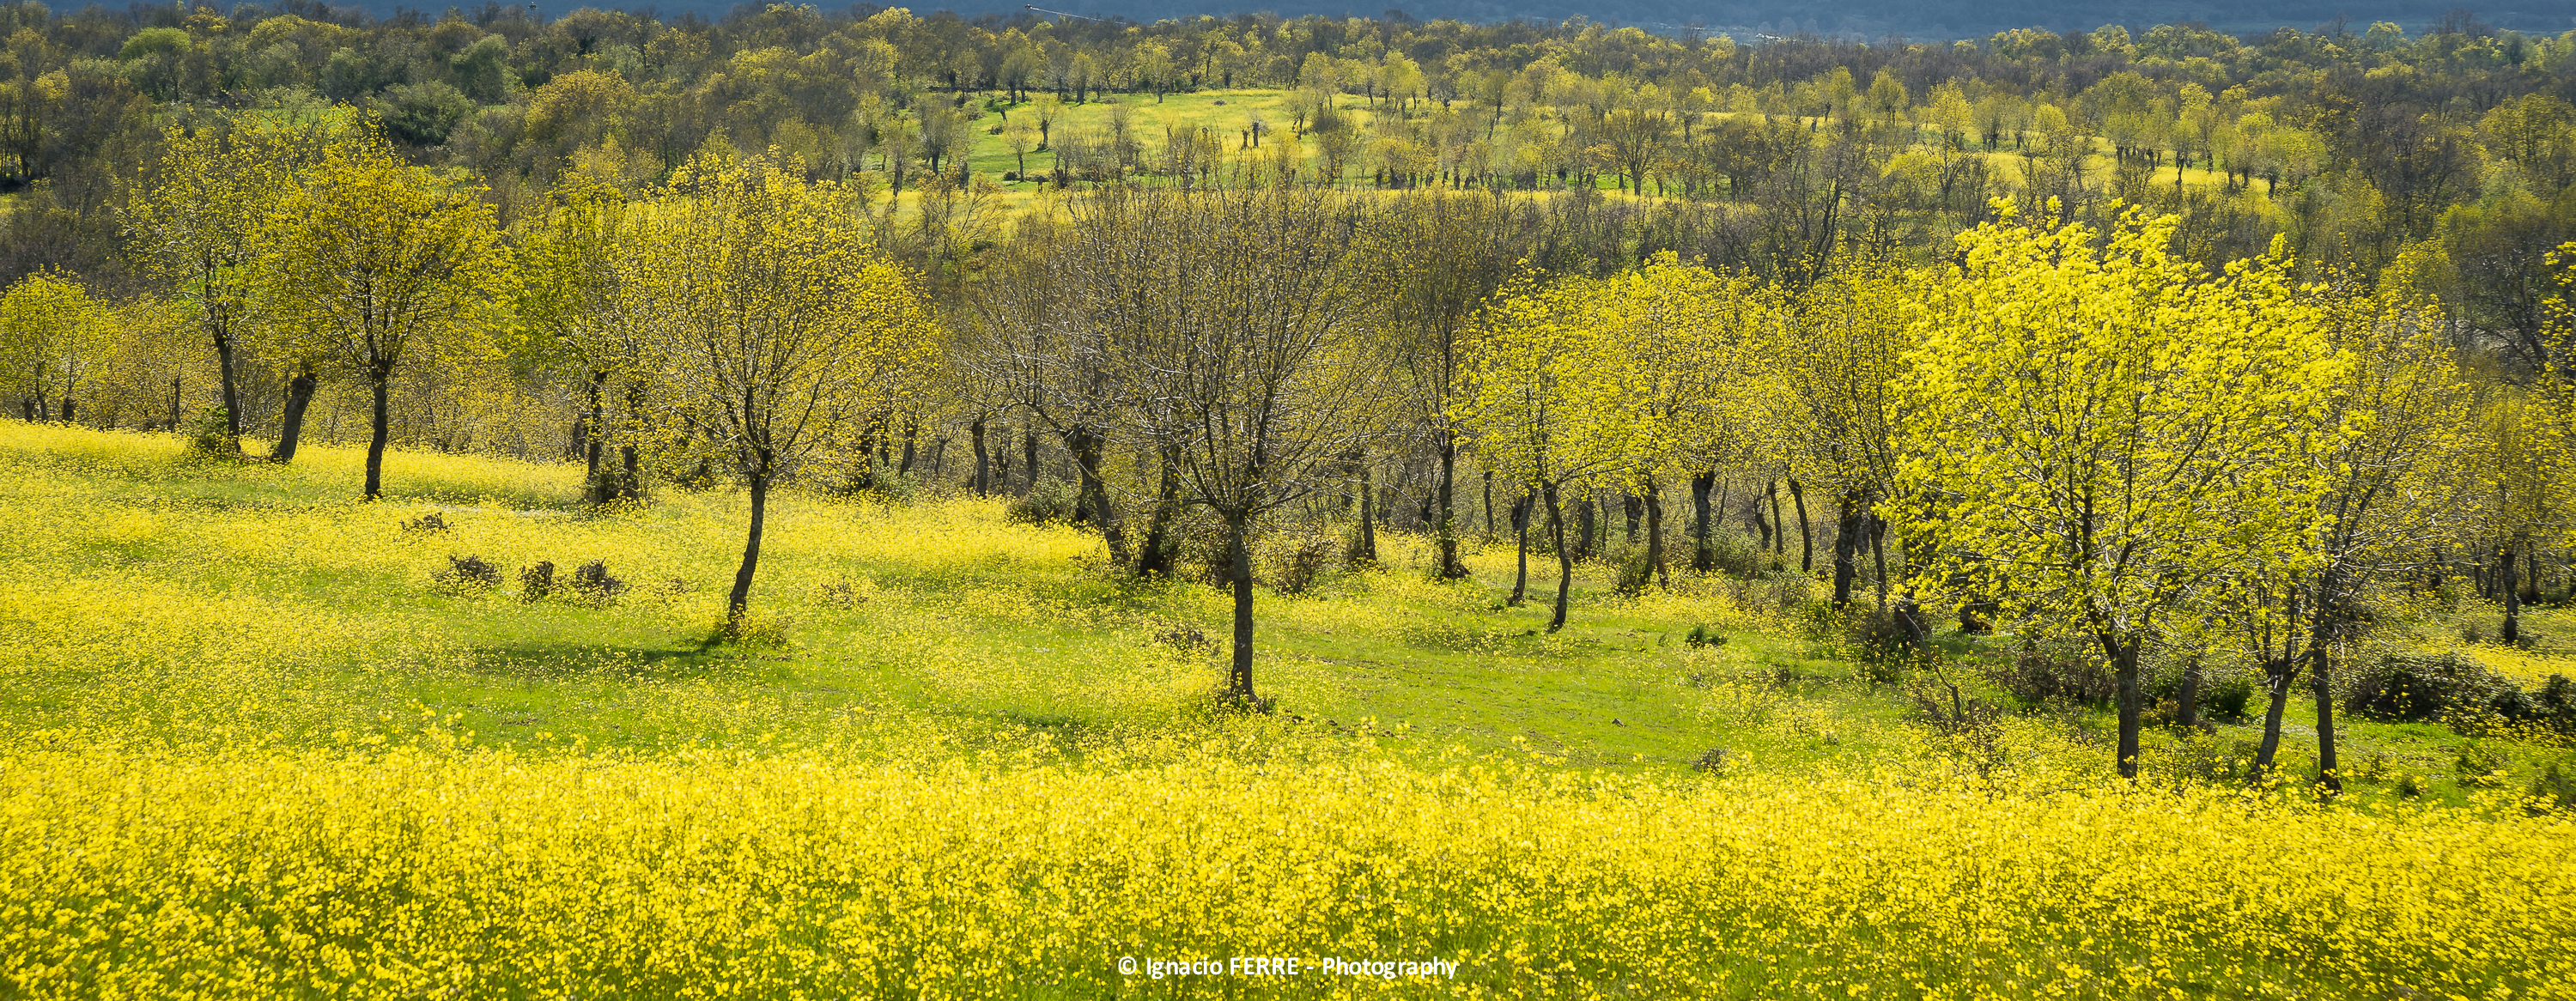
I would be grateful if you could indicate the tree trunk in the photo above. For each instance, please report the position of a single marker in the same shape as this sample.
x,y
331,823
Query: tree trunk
x,y
1584,525
2124,676
2277,675
290,430
1655,533
174,404
1239,559
1489,505
1365,550
232,383
1703,558
1155,558
1446,531
2512,631
1877,555
1564,558
380,428
911,437
739,600
983,460
1633,509
1085,444
2187,709
2328,770
1029,460
1520,527
1806,533
592,442
1780,535
1847,538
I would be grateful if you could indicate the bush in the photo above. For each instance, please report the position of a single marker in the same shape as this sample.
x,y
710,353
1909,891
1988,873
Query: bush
x,y
1882,645
2552,707
2551,790
2228,698
2042,670
2409,687
1185,638
1700,636
1635,571
468,573
432,523
1049,501
593,584
1291,560
536,581
1734,553
209,436
2479,764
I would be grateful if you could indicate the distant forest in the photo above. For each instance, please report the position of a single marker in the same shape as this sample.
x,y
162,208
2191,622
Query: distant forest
x,y
2355,144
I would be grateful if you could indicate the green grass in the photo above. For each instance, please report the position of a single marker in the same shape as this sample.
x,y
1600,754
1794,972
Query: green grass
x,y
155,598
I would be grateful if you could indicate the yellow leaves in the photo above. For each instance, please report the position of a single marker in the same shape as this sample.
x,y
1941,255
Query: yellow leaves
x,y
2110,430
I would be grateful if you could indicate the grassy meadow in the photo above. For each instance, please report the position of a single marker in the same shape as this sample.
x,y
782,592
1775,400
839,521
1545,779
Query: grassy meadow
x,y
251,745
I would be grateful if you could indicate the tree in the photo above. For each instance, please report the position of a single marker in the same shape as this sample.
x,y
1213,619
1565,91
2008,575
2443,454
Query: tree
x,y
375,261
2103,437
569,313
1552,399
1835,411
52,337
2387,454
768,325
198,227
1431,261
1246,351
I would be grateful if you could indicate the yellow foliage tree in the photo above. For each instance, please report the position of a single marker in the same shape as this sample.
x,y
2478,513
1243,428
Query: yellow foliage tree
x,y
374,262
769,327
2102,435
52,338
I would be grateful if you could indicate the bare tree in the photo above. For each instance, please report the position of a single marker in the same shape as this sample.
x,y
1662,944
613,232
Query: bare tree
x,y
1431,261
1245,347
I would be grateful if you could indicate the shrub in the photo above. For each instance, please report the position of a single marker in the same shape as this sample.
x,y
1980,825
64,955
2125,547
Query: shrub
x,y
1184,638
593,584
468,573
1715,761
209,436
2046,669
1882,645
1700,636
432,523
2551,790
1735,554
2480,764
2412,786
536,581
2227,698
1049,501
2409,687
1291,560
2552,707
1635,571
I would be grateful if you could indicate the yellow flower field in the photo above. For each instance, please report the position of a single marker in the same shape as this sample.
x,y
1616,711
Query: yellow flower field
x,y
411,873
